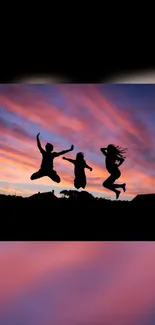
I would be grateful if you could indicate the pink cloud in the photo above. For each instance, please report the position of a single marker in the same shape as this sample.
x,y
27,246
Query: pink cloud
x,y
30,262
102,123
91,282
34,106
124,296
14,131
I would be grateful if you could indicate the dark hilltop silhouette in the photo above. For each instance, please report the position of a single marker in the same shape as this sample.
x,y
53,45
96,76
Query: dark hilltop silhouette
x,y
76,216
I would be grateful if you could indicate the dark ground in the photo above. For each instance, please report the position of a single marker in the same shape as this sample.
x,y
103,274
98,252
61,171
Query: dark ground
x,y
83,217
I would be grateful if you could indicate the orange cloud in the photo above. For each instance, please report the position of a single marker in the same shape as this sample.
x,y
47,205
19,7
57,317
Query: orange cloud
x,y
8,190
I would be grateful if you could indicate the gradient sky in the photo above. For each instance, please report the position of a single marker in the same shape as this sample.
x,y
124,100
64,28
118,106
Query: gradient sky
x,y
88,116
80,283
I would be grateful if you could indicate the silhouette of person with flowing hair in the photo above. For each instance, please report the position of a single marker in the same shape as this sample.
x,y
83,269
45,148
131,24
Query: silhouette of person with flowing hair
x,y
114,154
46,168
79,170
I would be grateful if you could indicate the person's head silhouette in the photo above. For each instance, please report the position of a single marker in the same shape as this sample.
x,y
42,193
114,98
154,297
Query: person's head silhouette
x,y
80,156
111,149
49,147
116,150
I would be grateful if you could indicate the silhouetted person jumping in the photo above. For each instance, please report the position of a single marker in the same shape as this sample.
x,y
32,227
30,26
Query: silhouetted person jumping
x,y
113,154
79,170
48,155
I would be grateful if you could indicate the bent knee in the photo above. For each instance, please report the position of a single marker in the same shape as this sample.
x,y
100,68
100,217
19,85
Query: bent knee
x,y
105,184
58,180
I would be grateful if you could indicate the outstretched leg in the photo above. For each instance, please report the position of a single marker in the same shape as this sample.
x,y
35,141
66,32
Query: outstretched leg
x,y
123,186
37,175
54,176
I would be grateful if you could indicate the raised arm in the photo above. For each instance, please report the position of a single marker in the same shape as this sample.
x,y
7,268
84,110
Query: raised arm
x,y
86,166
39,144
70,160
64,151
103,150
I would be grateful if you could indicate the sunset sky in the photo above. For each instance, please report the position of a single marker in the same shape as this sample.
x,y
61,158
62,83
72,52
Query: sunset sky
x,y
80,283
88,116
